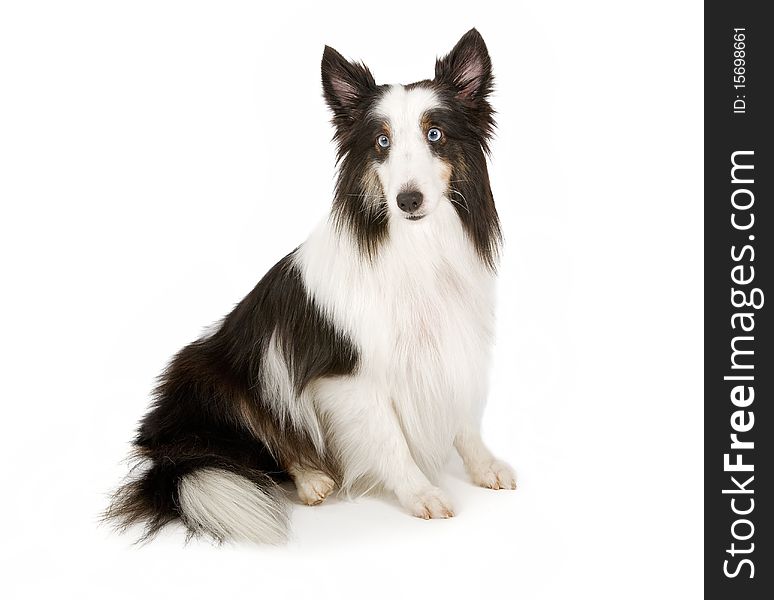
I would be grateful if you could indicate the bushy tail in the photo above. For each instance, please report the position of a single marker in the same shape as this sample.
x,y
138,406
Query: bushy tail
x,y
211,495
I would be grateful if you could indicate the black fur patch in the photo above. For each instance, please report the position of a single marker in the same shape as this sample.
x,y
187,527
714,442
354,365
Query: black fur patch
x,y
209,409
350,91
463,149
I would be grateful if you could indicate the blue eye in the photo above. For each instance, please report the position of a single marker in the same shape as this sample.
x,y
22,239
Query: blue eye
x,y
383,141
434,134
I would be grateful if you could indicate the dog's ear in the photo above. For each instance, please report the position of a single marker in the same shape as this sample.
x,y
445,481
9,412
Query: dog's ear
x,y
345,84
467,69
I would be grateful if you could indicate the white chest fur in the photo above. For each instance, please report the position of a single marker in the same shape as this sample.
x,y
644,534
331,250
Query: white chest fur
x,y
421,315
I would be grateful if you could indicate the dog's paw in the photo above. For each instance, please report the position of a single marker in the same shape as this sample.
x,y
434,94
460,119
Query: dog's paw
x,y
429,504
313,486
496,475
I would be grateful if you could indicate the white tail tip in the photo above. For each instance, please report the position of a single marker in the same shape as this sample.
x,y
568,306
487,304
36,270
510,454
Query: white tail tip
x,y
228,506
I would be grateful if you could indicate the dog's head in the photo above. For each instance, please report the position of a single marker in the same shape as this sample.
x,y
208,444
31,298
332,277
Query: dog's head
x,y
405,149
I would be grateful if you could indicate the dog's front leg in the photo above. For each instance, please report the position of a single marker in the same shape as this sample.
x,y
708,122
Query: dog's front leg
x,y
484,469
371,446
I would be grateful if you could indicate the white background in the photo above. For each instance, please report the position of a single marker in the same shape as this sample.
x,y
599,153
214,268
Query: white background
x,y
157,157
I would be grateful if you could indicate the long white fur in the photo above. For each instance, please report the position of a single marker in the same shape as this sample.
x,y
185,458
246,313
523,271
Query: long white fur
x,y
421,313
230,507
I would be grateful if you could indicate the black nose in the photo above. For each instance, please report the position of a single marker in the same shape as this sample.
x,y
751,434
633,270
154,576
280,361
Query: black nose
x,y
410,201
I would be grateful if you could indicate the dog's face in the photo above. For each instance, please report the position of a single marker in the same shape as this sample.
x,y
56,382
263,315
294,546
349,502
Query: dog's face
x,y
405,149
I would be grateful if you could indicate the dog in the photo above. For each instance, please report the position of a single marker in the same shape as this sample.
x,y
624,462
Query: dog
x,y
360,360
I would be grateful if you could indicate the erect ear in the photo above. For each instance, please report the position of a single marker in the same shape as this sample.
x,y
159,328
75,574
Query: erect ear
x,y
345,84
467,69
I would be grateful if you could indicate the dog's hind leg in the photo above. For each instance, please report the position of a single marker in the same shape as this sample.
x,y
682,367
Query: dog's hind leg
x,y
312,485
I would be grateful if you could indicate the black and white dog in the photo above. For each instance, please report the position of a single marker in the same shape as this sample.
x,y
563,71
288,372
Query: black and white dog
x,y
361,358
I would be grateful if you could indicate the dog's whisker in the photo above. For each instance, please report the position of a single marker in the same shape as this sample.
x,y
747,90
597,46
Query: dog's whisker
x,y
463,204
372,208
459,204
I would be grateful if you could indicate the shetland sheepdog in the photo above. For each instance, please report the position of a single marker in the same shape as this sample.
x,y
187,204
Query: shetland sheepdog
x,y
361,358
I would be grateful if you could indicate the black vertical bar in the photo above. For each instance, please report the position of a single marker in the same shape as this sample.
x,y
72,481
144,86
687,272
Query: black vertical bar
x,y
738,102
